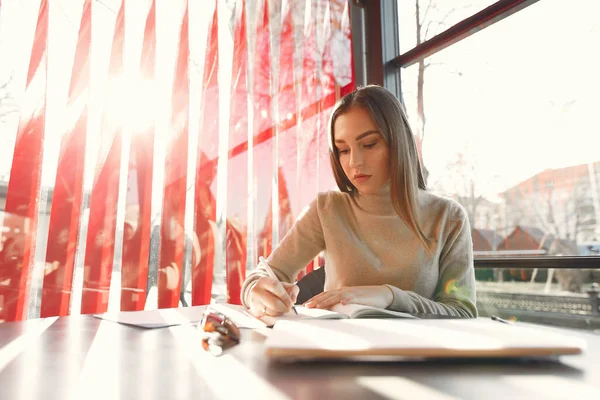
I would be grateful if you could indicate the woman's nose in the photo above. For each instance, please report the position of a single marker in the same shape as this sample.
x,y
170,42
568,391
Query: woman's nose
x,y
356,160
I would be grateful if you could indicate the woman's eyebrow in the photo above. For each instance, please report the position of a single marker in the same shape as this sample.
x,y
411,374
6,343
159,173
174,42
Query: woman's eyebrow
x,y
362,135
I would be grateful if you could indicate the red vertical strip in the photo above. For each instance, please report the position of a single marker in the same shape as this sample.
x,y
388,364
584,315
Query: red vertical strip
x,y
286,216
170,262
238,132
99,251
237,180
68,188
208,141
346,57
137,225
287,106
307,142
236,260
38,50
327,99
24,184
263,123
309,106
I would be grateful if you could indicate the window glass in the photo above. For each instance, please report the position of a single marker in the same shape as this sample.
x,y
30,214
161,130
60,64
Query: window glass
x,y
507,124
510,128
544,296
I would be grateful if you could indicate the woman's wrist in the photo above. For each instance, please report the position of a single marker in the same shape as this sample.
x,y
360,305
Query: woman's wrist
x,y
388,295
248,293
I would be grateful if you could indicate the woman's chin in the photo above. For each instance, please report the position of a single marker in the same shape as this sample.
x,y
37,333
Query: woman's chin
x,y
370,188
366,190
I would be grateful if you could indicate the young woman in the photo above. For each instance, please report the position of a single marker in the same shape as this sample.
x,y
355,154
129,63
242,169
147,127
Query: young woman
x,y
388,242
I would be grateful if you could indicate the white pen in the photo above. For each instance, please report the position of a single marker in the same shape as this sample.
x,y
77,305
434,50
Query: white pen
x,y
265,264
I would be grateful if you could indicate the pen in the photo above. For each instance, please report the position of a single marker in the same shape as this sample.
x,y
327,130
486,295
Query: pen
x,y
265,264
505,321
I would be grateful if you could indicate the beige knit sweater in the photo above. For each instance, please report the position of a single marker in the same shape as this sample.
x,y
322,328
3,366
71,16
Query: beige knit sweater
x,y
366,243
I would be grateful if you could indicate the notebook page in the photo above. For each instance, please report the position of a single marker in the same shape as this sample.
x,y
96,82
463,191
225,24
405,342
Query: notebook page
x,y
304,313
362,311
313,313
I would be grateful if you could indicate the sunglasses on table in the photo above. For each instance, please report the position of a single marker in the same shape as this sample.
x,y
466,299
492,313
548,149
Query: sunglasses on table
x,y
219,332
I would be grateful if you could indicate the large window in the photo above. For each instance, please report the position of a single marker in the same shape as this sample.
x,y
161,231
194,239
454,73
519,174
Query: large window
x,y
507,124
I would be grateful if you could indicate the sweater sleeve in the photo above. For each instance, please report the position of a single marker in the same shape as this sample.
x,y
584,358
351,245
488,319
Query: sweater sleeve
x,y
302,243
455,292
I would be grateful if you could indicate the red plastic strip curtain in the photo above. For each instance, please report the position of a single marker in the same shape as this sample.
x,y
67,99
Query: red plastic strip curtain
x,y
21,209
172,243
263,123
68,188
100,243
291,60
206,169
237,180
138,222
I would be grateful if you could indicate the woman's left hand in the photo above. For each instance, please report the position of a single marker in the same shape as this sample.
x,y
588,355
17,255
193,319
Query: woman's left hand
x,y
375,296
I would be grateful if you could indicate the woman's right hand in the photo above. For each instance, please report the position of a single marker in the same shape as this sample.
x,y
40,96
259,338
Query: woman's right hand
x,y
272,297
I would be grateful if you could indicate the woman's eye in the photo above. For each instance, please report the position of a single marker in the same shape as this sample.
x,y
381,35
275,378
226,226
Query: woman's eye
x,y
343,151
369,145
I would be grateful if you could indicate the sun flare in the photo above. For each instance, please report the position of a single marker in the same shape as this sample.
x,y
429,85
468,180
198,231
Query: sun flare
x,y
130,103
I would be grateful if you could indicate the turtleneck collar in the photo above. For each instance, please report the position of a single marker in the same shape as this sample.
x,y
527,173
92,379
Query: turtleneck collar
x,y
379,203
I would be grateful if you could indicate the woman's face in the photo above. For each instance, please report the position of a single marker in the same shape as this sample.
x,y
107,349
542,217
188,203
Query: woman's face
x,y
363,152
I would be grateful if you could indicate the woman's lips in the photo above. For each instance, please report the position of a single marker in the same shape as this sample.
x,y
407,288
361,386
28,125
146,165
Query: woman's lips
x,y
361,178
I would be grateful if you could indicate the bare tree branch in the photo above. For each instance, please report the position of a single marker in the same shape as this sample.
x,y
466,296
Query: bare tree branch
x,y
426,11
64,12
418,21
439,63
426,33
441,21
107,6
8,105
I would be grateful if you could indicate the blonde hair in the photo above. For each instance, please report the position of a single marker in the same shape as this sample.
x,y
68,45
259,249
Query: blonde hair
x,y
406,175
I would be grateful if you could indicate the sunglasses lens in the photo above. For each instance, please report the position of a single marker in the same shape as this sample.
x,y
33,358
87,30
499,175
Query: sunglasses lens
x,y
233,332
212,321
220,333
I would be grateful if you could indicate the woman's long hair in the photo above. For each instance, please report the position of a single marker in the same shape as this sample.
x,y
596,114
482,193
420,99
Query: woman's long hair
x,y
406,175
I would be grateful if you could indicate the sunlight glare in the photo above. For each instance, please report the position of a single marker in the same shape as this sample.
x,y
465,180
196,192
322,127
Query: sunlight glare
x,y
222,369
131,104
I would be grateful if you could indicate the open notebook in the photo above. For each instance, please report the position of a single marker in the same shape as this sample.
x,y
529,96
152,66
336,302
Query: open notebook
x,y
414,338
244,319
